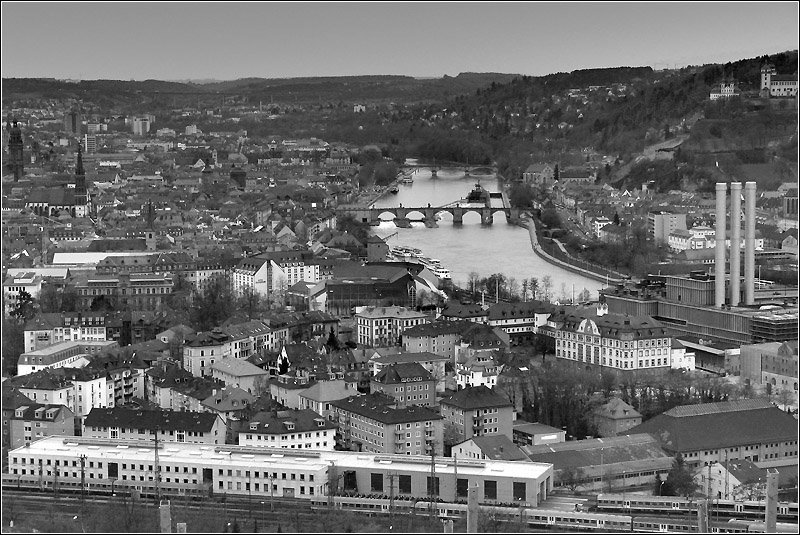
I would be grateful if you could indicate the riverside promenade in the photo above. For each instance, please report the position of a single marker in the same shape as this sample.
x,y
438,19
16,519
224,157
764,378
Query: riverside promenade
x,y
528,223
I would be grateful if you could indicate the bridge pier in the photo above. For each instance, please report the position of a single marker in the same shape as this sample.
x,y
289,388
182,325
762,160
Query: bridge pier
x,y
486,216
458,216
430,217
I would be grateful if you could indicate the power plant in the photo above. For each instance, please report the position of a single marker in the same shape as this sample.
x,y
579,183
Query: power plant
x,y
749,243
702,307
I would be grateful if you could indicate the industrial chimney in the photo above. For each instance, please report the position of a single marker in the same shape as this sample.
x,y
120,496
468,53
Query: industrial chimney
x,y
749,242
736,238
719,258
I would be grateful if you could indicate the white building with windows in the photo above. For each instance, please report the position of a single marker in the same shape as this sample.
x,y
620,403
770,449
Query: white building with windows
x,y
123,424
383,326
619,341
292,429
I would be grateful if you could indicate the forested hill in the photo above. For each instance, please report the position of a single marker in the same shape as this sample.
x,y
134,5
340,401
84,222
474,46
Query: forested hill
x,y
615,115
348,89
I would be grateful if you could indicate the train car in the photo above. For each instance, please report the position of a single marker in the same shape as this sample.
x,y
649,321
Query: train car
x,y
631,503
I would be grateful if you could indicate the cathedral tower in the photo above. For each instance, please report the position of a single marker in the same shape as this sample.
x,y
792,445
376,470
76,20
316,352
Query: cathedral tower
x,y
16,163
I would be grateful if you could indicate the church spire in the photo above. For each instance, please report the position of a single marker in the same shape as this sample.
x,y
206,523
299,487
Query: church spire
x,y
79,165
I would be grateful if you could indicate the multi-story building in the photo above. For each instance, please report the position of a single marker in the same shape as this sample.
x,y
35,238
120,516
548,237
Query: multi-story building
x,y
408,383
264,472
292,429
752,429
240,373
90,143
143,291
48,329
661,224
383,326
318,396
476,369
478,411
274,271
440,338
616,341
141,126
773,363
202,350
123,424
372,423
520,320
60,355
775,85
435,364
35,421
685,305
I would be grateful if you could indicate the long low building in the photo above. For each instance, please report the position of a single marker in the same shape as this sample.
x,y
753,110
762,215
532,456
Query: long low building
x,y
263,472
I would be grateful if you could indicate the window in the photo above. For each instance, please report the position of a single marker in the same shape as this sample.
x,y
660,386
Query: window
x,y
376,482
461,487
489,489
519,491
404,484
435,485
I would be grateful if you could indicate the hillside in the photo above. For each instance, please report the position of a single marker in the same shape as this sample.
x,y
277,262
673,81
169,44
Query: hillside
x,y
399,89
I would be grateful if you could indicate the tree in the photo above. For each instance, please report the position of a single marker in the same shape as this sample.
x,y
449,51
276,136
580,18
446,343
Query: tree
x,y
49,299
547,286
572,477
680,480
333,341
23,309
213,305
534,286
472,281
616,218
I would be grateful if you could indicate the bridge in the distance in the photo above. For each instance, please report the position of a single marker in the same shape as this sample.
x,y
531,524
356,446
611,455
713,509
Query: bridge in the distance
x,y
428,214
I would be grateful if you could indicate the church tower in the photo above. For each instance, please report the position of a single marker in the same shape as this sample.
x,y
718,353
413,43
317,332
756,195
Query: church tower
x,y
16,163
81,196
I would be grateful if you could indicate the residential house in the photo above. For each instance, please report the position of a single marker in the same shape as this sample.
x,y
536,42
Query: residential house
x,y
120,423
615,418
292,429
240,373
319,395
34,421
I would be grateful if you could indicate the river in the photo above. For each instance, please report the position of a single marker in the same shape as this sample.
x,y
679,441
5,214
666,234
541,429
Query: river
x,y
472,247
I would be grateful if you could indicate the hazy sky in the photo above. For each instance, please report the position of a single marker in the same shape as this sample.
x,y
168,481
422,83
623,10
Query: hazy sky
x,y
169,41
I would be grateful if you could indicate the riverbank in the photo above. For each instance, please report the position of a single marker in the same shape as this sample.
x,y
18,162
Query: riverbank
x,y
531,226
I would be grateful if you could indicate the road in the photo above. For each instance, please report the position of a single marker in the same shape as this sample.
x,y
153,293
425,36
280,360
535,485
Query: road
x,y
564,503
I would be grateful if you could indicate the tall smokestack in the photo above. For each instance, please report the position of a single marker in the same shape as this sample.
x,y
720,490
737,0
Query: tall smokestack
x,y
719,260
736,238
749,242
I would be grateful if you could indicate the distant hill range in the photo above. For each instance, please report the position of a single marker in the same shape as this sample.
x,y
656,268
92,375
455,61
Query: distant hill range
x,y
401,89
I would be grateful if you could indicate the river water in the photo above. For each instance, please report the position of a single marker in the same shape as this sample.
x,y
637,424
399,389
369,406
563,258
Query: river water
x,y
471,247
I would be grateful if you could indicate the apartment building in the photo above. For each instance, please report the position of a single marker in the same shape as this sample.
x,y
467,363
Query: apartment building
x,y
123,424
383,326
372,423
478,411
409,383
292,429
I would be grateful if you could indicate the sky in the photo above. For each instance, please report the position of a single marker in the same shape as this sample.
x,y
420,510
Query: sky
x,y
230,40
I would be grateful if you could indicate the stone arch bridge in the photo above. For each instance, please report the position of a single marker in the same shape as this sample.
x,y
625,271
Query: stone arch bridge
x,y
429,213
